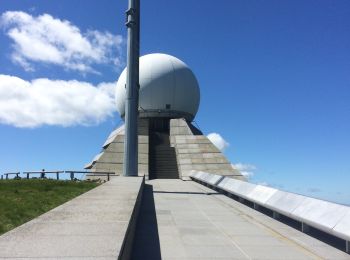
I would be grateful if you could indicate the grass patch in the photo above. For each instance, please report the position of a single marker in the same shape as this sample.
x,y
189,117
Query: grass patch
x,y
23,200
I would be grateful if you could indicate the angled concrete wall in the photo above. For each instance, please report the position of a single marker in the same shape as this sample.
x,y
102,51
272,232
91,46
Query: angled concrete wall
x,y
329,217
194,151
112,155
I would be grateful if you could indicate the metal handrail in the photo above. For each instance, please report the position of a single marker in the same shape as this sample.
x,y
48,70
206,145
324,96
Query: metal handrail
x,y
43,173
94,173
10,173
71,172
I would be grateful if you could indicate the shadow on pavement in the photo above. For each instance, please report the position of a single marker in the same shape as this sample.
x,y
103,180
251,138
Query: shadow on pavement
x,y
146,242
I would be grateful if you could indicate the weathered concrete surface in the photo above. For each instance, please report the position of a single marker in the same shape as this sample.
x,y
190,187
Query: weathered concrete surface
x,y
111,157
194,151
91,226
195,222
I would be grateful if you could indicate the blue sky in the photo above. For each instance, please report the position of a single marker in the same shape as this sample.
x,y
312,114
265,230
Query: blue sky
x,y
274,79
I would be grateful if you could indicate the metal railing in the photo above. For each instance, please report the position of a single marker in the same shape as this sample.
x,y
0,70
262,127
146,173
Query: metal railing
x,y
43,173
10,173
72,174
108,174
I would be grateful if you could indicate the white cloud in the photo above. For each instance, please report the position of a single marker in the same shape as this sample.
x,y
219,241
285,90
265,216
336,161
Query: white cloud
x,y
247,170
50,40
54,102
218,141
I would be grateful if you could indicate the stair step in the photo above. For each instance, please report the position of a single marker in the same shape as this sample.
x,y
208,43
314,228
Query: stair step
x,y
162,157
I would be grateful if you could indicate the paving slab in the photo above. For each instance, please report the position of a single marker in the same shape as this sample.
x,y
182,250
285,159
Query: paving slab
x,y
195,222
91,226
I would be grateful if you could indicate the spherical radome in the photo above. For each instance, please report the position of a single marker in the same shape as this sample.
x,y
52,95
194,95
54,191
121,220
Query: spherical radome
x,y
168,88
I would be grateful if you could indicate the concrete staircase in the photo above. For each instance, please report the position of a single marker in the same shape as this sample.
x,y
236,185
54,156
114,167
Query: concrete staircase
x,y
162,157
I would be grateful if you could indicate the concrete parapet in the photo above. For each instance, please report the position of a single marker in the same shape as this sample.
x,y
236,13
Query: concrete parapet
x,y
331,218
99,224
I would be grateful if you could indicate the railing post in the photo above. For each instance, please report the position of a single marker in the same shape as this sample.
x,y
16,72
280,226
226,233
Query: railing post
x,y
7,176
72,176
17,175
108,176
57,176
304,227
27,175
42,175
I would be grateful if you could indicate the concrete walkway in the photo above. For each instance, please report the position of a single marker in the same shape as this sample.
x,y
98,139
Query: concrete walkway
x,y
91,226
185,220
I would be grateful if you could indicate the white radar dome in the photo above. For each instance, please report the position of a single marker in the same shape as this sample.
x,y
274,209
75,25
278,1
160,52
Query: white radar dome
x,y
168,88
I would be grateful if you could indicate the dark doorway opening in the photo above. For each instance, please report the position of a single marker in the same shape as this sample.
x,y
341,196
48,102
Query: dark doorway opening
x,y
162,157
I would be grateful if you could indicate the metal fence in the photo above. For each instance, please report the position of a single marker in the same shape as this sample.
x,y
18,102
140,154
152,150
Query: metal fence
x,y
43,174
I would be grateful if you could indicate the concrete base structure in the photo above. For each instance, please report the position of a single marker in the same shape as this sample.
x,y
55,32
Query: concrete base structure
x,y
194,151
112,155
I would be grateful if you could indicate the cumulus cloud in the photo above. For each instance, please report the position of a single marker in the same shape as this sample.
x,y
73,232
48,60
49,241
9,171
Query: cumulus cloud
x,y
247,170
218,141
50,40
54,102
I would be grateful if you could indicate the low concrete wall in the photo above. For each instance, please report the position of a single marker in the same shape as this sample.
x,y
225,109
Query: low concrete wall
x,y
99,224
126,250
328,217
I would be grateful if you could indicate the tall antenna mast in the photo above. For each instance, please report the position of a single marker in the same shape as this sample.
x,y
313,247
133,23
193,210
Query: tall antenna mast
x,y
132,90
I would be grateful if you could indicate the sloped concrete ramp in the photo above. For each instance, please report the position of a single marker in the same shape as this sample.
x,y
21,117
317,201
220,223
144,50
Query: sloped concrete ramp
x,y
96,225
186,220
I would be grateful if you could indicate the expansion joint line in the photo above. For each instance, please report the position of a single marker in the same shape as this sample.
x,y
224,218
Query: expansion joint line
x,y
222,231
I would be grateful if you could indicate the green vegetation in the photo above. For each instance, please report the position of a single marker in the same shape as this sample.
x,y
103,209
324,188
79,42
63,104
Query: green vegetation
x,y
23,200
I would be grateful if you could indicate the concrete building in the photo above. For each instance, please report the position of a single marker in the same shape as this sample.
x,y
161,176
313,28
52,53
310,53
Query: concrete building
x,y
170,146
